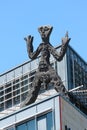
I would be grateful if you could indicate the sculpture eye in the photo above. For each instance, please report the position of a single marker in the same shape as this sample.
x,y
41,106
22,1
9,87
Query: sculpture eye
x,y
46,28
41,28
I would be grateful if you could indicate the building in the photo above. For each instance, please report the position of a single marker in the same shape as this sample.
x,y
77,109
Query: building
x,y
49,106
54,113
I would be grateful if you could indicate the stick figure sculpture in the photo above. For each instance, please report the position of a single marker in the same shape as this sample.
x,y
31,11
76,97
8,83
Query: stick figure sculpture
x,y
45,73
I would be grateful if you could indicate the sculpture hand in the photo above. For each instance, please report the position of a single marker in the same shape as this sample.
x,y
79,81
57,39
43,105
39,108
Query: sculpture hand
x,y
29,39
66,39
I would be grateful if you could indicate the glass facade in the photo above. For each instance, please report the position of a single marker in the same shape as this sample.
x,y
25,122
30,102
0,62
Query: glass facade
x,y
19,81
77,70
14,92
43,122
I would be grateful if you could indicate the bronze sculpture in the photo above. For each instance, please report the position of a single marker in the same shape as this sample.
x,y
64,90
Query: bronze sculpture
x,y
45,73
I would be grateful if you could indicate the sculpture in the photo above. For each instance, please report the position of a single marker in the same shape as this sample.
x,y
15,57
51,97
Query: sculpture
x,y
45,73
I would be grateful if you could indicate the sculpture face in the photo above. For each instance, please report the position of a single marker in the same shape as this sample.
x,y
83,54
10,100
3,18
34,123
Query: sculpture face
x,y
45,32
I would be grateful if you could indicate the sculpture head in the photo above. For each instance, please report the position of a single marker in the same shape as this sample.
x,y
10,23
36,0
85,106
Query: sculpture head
x,y
45,32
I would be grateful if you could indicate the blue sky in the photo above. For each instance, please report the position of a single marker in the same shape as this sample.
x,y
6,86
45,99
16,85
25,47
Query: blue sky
x,y
19,18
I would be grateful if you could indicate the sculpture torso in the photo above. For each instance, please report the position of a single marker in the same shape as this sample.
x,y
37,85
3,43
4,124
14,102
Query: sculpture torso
x,y
45,57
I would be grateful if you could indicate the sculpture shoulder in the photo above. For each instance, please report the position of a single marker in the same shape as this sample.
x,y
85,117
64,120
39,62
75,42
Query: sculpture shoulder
x,y
50,46
40,46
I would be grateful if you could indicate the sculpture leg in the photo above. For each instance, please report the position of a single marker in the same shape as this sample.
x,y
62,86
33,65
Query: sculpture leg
x,y
33,92
57,82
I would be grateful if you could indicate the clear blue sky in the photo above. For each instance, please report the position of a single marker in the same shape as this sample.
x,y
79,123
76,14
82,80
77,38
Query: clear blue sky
x,y
19,18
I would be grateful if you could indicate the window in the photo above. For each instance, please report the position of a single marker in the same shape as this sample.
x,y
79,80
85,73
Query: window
x,y
1,107
24,80
16,86
23,96
25,88
16,100
22,127
43,122
49,121
8,85
46,121
8,90
16,92
1,99
1,93
30,125
8,103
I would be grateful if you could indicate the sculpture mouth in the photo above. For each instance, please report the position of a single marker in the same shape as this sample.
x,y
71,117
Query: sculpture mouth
x,y
43,36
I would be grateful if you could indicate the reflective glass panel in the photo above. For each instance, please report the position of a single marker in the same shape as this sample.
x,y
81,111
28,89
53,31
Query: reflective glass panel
x,y
31,125
22,127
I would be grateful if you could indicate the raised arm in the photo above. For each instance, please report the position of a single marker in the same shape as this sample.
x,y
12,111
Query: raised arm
x,y
32,55
59,56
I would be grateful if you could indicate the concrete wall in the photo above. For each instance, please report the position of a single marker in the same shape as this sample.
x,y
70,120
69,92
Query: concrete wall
x,y
72,117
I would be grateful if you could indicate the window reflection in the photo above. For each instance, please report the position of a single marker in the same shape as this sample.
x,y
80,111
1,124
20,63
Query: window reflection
x,y
31,125
22,127
43,122
27,126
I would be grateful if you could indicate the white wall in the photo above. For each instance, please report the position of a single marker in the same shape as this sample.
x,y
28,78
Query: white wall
x,y
72,117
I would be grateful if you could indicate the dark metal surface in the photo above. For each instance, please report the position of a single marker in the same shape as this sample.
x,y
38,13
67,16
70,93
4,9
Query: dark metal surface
x,y
45,73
